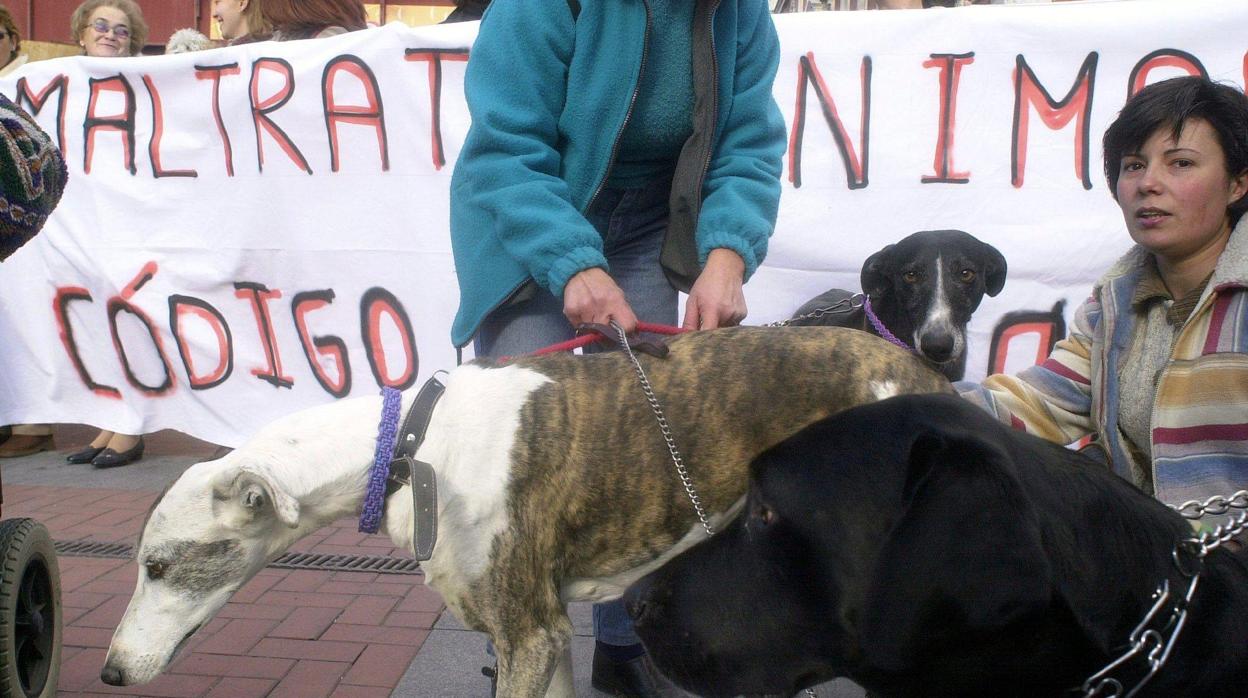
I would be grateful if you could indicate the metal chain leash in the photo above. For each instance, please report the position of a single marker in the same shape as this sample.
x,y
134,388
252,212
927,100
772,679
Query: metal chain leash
x,y
1152,643
845,305
681,470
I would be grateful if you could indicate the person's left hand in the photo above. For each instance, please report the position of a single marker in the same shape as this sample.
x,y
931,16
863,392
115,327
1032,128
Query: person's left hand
x,y
716,299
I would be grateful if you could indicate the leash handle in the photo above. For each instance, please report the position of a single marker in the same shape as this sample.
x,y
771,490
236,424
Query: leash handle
x,y
598,336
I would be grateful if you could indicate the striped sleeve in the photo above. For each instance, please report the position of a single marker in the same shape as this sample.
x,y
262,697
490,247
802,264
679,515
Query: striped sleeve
x,y
1052,400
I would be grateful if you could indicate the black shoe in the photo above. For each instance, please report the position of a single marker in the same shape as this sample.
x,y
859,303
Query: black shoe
x,y
86,455
109,458
637,678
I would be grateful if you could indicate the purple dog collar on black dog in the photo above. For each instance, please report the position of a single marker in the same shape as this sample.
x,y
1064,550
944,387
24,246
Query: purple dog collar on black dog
x,y
880,328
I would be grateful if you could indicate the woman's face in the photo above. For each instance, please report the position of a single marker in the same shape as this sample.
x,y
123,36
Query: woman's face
x,y
8,45
107,33
230,19
1174,195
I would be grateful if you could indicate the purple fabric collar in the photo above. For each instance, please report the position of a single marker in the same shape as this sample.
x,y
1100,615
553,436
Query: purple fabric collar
x,y
880,328
374,494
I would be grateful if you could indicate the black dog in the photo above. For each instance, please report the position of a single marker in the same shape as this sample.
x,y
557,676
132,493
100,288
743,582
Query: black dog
x,y
920,548
923,289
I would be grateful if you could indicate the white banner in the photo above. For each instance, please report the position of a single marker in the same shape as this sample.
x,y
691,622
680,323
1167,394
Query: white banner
x,y
250,231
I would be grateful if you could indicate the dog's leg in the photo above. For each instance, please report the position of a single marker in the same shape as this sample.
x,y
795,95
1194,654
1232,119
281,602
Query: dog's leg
x,y
561,685
527,664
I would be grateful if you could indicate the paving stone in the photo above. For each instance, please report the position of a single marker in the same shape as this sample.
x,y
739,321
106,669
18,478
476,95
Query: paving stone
x,y
413,637
239,636
107,614
233,665
412,620
306,623
369,610
242,688
257,586
308,649
310,679
380,665
303,580
321,600
80,636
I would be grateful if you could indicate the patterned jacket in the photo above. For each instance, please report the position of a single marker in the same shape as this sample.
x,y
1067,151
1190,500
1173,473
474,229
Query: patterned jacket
x,y
1200,413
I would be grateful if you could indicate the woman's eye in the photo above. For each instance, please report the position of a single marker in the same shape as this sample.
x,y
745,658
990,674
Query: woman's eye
x,y
1132,166
1183,163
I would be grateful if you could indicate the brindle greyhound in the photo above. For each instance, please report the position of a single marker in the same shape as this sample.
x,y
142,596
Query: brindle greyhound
x,y
554,484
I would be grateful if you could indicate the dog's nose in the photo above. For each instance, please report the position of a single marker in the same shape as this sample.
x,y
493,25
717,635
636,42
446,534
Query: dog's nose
x,y
937,346
112,675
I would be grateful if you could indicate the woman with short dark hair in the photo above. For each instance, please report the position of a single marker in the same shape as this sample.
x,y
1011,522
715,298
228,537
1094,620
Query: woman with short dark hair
x,y
313,19
1156,367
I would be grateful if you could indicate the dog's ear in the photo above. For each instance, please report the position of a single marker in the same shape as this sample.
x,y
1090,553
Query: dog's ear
x,y
994,268
874,276
963,560
249,494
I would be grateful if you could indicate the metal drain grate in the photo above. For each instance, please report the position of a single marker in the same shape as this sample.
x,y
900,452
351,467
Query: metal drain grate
x,y
87,548
347,563
290,561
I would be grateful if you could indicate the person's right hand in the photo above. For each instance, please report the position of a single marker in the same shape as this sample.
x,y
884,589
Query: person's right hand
x,y
592,296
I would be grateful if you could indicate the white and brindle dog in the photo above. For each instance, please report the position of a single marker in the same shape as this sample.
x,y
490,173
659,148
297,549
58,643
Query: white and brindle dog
x,y
554,485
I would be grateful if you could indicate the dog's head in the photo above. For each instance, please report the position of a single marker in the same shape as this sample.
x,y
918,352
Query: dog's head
x,y
926,286
222,521
897,544
206,536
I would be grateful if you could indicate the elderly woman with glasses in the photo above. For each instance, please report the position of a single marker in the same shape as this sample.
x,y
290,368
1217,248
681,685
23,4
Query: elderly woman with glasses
x,y
109,28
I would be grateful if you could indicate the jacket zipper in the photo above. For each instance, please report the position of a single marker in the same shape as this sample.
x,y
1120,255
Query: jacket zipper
x,y
706,159
632,101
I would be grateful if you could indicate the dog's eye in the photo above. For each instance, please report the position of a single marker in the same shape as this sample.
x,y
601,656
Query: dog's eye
x,y
763,515
967,275
155,570
910,277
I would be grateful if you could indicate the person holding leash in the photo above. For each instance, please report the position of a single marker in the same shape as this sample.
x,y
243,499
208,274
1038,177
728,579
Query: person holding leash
x,y
1156,366
620,151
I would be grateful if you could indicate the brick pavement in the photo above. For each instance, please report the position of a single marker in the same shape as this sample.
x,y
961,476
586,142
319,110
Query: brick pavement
x,y
298,633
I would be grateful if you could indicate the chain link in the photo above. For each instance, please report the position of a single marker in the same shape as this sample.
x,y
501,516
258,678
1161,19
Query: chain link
x,y
667,431
845,305
1189,554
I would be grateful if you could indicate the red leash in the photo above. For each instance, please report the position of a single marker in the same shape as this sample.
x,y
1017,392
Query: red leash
x,y
591,337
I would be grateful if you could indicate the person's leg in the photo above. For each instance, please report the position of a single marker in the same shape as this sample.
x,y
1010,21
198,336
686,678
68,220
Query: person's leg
x,y
633,240
523,328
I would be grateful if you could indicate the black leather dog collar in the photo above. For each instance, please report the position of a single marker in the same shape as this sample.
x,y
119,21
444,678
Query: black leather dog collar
x,y
406,470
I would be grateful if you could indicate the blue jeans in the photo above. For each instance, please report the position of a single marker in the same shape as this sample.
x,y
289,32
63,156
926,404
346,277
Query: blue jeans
x,y
632,223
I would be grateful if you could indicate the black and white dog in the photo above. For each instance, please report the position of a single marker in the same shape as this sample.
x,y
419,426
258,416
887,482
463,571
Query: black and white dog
x,y
920,548
923,289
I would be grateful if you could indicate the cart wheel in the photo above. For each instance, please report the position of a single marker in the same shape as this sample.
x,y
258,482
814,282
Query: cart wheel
x,y
30,613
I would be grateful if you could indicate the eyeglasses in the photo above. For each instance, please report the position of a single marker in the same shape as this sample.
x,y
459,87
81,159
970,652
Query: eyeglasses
x,y
120,31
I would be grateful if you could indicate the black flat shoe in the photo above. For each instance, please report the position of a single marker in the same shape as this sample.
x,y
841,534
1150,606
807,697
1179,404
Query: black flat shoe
x,y
637,677
109,458
84,456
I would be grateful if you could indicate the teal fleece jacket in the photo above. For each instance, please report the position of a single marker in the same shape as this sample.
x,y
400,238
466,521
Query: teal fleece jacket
x,y
549,91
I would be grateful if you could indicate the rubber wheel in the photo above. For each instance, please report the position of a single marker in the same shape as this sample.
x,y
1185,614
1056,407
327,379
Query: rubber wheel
x,y
30,611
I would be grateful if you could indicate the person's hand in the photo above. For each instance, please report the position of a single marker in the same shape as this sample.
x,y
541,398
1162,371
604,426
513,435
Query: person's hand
x,y
592,296
716,299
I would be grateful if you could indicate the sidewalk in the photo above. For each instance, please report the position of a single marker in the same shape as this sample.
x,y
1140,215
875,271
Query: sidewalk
x,y
297,633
